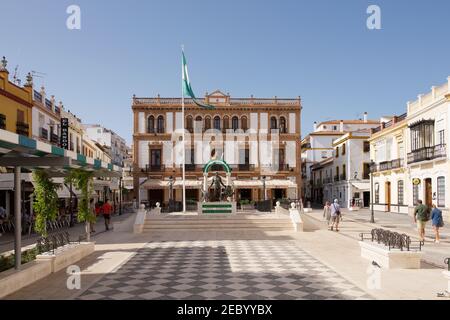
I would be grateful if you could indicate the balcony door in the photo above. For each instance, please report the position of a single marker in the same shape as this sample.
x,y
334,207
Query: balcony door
x,y
155,159
388,195
428,192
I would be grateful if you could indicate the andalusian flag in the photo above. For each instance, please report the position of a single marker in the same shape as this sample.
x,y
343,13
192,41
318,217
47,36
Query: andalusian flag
x,y
187,89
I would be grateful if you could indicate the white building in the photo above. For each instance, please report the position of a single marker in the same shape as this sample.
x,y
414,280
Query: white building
x,y
428,157
46,118
318,145
389,168
352,169
116,144
76,131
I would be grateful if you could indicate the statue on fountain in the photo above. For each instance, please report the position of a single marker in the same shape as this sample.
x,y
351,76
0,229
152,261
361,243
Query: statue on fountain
x,y
217,186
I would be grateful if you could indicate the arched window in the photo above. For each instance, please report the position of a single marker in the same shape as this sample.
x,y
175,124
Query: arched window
x,y
226,123
273,123
151,124
217,122
283,127
160,124
244,123
207,123
189,124
235,123
198,122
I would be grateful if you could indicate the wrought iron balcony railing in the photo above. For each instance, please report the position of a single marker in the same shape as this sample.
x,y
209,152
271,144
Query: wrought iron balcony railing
x,y
154,168
22,128
54,138
427,153
43,133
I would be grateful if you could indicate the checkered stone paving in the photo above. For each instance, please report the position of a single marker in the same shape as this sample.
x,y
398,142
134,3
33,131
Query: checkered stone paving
x,y
223,270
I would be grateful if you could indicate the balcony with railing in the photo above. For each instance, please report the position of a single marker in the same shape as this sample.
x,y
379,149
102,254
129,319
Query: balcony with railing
x,y
327,180
154,168
385,125
37,96
387,165
54,138
343,176
22,128
43,133
427,153
283,167
336,178
48,104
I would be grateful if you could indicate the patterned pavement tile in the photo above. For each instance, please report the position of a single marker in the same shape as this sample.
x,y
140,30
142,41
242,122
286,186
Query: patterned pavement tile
x,y
241,269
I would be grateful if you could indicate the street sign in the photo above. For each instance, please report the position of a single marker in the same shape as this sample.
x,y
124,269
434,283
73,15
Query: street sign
x,y
64,133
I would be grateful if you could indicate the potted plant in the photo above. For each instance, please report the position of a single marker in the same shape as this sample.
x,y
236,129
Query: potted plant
x,y
246,204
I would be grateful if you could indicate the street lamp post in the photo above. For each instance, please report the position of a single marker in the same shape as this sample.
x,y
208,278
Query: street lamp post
x,y
120,196
264,187
372,216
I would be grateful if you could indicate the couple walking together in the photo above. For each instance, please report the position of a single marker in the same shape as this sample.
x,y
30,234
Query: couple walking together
x,y
332,213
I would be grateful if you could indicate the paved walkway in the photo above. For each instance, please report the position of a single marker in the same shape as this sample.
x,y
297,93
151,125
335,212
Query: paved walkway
x,y
402,223
235,265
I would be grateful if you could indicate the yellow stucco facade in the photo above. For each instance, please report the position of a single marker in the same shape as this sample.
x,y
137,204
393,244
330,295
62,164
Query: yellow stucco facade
x,y
15,105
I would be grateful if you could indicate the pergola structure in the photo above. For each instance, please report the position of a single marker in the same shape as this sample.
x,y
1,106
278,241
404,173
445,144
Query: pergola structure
x,y
18,151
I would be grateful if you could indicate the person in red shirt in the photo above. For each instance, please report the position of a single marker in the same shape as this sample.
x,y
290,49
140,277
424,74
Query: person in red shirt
x,y
107,210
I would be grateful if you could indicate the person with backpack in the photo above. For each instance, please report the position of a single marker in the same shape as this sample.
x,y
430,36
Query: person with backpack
x,y
421,216
335,215
437,222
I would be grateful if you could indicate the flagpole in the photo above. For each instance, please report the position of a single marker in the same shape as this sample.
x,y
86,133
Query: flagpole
x,y
184,145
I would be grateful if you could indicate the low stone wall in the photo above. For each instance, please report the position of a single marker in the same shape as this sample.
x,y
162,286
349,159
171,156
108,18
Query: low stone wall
x,y
13,280
67,255
44,265
390,259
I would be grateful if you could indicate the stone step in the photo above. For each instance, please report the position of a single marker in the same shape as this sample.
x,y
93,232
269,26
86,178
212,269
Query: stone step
x,y
215,222
212,227
145,230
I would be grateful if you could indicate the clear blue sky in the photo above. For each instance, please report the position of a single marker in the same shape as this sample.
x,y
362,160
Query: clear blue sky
x,y
320,50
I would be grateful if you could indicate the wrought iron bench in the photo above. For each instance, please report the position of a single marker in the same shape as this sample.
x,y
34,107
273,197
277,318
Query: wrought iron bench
x,y
392,240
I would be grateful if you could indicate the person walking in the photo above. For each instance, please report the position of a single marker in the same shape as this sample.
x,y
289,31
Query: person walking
x,y
327,213
421,216
335,215
107,210
437,222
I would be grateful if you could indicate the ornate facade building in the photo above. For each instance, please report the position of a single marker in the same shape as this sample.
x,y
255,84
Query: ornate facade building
x,y
258,138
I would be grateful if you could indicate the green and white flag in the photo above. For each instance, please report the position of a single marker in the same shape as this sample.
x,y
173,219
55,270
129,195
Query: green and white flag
x,y
187,89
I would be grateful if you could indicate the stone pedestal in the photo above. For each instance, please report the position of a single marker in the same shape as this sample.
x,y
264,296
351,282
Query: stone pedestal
x,y
390,259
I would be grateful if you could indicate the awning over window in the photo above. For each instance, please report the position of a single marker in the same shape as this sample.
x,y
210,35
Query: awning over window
x,y
280,184
164,184
362,186
248,183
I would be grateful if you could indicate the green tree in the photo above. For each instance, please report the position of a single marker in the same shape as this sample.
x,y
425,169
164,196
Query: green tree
x,y
82,180
45,203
